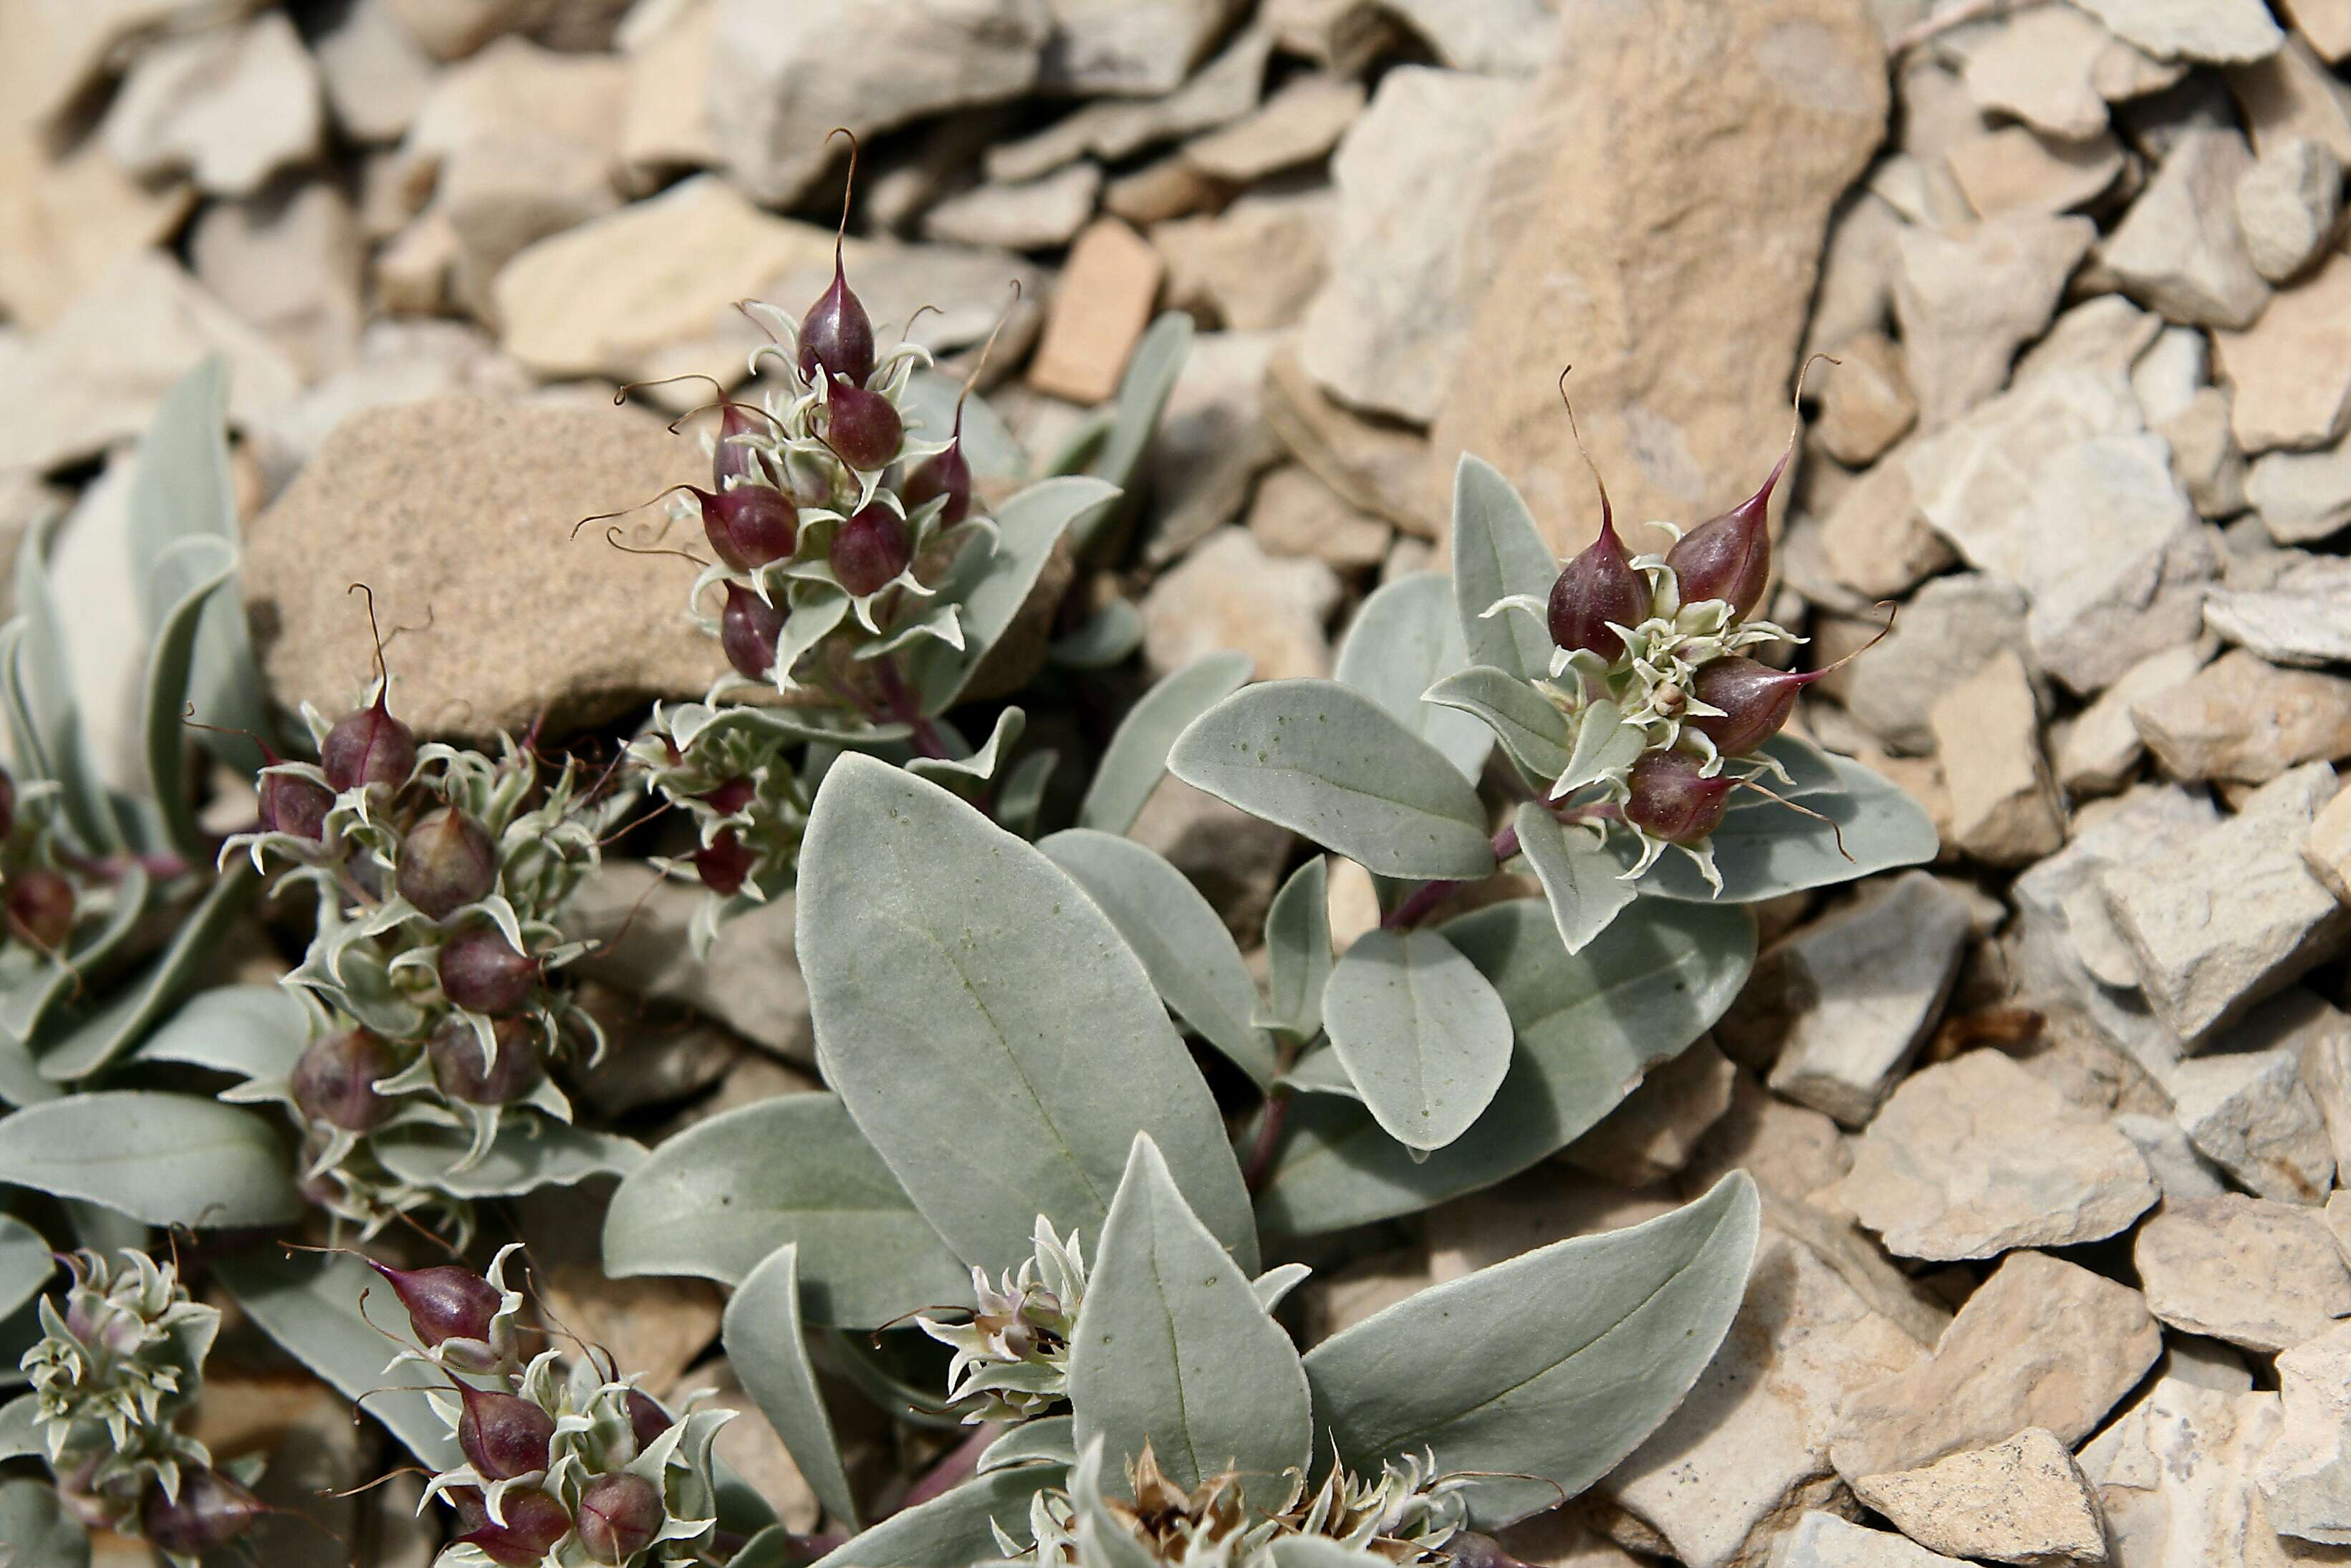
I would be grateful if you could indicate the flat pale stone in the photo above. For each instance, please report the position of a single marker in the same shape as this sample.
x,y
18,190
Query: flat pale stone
x,y
2247,1108
2175,1479
1791,1150
2022,1501
2179,1170
1866,404
375,73
2232,915
2005,809
1100,311
1212,441
2293,95
2326,848
2301,616
750,981
2219,30
231,106
1830,1540
2301,497
2243,719
2205,456
2290,372
1229,593
1966,300
1255,265
1299,124
289,262
1130,46
2015,170
1974,1156
2263,1275
667,122
2042,1342
64,222
1294,513
2305,1475
2288,204
1218,93
1651,1133
2038,67
1375,463
2101,749
1951,628
2327,24
2179,249
1876,541
1035,214
2323,1042
1861,989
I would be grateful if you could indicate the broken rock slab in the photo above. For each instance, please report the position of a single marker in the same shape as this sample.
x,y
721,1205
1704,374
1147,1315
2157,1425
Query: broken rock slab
x,y
2042,1342
2288,204
1867,405
2289,373
2038,68
2223,31
1831,1540
1973,1157
1229,593
2174,1477
2242,720
1951,628
2301,615
2100,750
1966,300
2263,1275
2023,1501
2304,1475
230,105
2005,808
2247,1108
2179,1170
1651,1133
2301,497
2179,250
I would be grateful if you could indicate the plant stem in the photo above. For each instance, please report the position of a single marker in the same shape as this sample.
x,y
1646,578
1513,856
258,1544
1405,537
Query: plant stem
x,y
907,710
957,1463
1259,1163
1418,904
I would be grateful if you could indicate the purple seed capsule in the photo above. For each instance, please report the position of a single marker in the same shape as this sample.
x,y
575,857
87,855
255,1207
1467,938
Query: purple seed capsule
x,y
1671,800
502,1435
1729,557
536,1525
293,804
335,1078
749,525
453,1310
948,474
734,460
480,970
211,1511
647,1419
368,746
41,904
446,863
836,335
748,630
862,427
869,550
620,1515
459,1065
723,863
1598,588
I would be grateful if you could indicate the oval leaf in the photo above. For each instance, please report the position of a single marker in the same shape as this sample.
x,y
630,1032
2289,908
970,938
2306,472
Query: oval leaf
x,y
1404,638
1173,1349
1029,526
1298,948
166,1159
1182,942
99,1038
253,1031
720,1196
1555,1365
526,1155
1534,734
950,1529
1588,1027
38,1530
763,1338
170,663
1420,1032
990,1031
1137,754
1582,883
1324,761
1764,849
1498,551
25,1263
1044,1439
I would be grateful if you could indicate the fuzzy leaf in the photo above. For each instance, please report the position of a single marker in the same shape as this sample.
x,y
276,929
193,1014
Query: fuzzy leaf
x,y
1172,1348
988,1028
1137,754
1182,943
1324,761
981,764
1764,849
1498,551
1047,1440
1605,745
988,444
25,1010
1151,371
1103,639
253,1031
210,565
719,1197
25,1264
952,1528
526,1155
125,1018
1405,638
1534,734
1319,1551
1029,525
1420,1032
45,722
1555,1365
20,1427
168,1159
1021,799
1298,948
1588,1027
1276,1282
1582,883
311,1306
762,1337
37,1528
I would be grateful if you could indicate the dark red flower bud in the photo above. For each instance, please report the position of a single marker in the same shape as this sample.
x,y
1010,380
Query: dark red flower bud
x,y
1599,587
368,746
481,970
836,335
1729,557
41,907
1755,700
945,475
748,629
446,863
862,427
444,1302
211,1511
730,797
749,525
293,804
1671,801
464,1071
723,863
536,1524
647,1418
620,1514
870,548
503,1435
335,1078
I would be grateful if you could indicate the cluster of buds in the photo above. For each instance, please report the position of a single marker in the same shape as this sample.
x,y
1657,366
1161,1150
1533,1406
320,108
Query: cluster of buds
x,y
729,770
1012,1356
564,1466
38,902
439,873
1658,651
1406,1514
112,1375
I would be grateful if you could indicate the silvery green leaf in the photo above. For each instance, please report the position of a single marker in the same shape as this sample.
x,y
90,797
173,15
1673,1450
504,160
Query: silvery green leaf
x,y
37,1528
1534,734
210,565
1150,376
168,1159
718,1198
1320,1072
951,1529
20,1426
119,1023
985,1026
1047,1440
981,764
1405,638
762,1337
691,722
1324,761
1298,948
1107,637
1582,883
1276,1282
103,1229
1587,1028
1319,1551
311,1306
1029,526
21,1082
1173,1349
1420,1032
988,444
1764,849
50,742
253,1031
1498,551
1604,746
181,495
1021,799
1555,1365
1102,1538
25,1010
25,1264
526,1155
1809,768
1081,441
1184,946
1137,754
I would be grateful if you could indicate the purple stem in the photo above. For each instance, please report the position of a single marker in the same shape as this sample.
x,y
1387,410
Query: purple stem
x,y
957,1463
908,712
1418,904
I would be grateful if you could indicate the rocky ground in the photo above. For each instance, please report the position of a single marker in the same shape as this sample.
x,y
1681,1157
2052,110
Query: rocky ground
x,y
2054,1268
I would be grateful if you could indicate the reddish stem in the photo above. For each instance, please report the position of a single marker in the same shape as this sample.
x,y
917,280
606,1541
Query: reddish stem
x,y
1417,906
1269,1124
907,710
